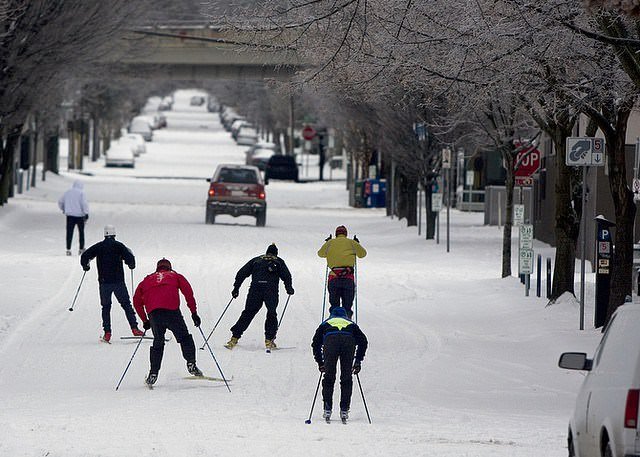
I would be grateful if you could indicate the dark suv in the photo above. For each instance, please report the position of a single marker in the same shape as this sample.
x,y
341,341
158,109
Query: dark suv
x,y
236,190
281,167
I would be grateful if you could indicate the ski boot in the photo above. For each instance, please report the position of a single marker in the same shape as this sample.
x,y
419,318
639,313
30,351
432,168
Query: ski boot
x,y
136,331
194,370
68,252
344,416
151,379
270,344
232,343
326,415
106,337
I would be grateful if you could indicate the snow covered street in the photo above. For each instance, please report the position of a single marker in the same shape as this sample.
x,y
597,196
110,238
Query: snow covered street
x,y
460,362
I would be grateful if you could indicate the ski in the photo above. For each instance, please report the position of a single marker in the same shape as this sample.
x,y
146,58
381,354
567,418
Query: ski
x,y
207,378
104,341
149,386
144,338
279,348
344,421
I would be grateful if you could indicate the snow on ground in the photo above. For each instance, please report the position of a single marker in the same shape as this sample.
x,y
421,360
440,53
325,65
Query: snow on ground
x,y
460,362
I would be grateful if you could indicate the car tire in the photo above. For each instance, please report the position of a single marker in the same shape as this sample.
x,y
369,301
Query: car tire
x,y
261,218
210,217
607,450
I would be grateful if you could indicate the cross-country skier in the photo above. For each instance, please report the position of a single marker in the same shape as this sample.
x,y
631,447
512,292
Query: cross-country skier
x,y
109,255
341,253
266,271
157,302
338,338
73,204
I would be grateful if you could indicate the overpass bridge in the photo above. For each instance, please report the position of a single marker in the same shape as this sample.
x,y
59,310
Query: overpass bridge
x,y
202,51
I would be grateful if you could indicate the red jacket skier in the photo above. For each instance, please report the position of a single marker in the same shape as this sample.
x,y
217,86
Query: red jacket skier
x,y
157,302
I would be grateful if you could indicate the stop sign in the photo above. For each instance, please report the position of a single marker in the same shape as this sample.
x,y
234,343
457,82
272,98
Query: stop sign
x,y
527,161
308,133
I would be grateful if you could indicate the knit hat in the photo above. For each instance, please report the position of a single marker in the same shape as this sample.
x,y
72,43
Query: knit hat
x,y
341,230
272,249
339,312
109,230
163,264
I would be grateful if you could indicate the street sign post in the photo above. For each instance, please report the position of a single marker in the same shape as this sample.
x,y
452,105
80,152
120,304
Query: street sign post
x,y
584,152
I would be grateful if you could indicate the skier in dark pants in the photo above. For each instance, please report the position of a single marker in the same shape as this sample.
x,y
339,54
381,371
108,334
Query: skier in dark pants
x,y
157,302
73,204
109,255
341,253
338,338
266,271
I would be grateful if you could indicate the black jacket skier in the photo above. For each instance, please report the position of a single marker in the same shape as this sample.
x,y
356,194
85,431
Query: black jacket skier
x,y
338,338
266,271
109,255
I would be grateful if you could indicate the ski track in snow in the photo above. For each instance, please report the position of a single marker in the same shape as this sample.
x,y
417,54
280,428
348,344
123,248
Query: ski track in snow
x,y
460,363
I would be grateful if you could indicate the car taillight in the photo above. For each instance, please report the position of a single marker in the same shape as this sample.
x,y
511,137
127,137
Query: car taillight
x,y
211,192
631,410
261,195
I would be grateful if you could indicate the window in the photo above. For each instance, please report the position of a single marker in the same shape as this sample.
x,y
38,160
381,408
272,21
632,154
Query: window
x,y
238,175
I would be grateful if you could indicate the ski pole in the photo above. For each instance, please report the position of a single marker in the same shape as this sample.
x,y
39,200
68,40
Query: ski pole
x,y
324,297
283,311
308,421
214,358
363,400
214,327
77,291
131,360
132,284
355,285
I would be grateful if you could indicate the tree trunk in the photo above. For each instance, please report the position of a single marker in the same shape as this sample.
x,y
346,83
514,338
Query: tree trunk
x,y
7,160
625,211
508,157
430,214
568,216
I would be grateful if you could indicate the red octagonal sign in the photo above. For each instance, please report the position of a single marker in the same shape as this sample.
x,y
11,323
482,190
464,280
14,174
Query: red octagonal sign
x,y
527,161
308,133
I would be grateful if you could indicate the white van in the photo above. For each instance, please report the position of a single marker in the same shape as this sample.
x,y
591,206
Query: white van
x,y
605,418
141,125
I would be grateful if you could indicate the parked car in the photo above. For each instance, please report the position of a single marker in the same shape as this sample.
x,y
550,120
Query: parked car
x,y
136,141
247,135
197,100
259,145
260,158
166,104
140,124
120,154
236,190
281,167
236,124
605,418
212,105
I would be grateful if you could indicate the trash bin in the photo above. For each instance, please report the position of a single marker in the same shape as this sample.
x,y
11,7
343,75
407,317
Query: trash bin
x,y
377,193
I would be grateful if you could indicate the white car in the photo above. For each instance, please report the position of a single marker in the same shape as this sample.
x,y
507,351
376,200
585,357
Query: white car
x,y
141,125
247,135
137,143
605,418
120,154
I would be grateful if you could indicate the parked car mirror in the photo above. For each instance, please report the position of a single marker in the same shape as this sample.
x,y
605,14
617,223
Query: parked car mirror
x,y
208,179
575,361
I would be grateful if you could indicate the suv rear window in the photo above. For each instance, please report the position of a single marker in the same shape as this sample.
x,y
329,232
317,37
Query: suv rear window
x,y
237,175
281,160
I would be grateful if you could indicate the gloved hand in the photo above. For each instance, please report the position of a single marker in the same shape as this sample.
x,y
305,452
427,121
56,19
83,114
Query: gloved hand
x,y
196,319
146,325
356,368
355,238
290,291
321,368
235,292
86,217
328,238
86,267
